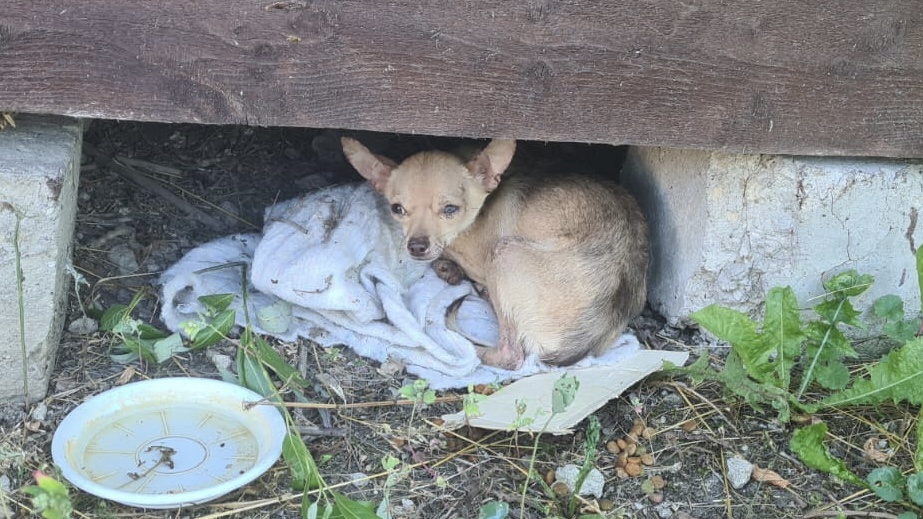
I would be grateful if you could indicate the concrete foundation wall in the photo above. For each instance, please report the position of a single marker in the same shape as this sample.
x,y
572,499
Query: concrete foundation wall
x,y
726,228
39,166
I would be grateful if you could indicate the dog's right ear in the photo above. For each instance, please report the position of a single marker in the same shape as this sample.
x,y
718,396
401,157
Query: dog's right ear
x,y
375,168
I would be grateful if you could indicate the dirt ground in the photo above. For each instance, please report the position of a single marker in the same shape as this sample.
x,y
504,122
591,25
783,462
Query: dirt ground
x,y
174,187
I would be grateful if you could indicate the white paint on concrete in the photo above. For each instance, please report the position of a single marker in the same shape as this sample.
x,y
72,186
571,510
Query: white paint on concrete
x,y
39,166
726,228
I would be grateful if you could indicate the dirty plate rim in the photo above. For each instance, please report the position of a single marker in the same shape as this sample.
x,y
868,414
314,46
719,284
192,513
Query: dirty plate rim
x,y
168,442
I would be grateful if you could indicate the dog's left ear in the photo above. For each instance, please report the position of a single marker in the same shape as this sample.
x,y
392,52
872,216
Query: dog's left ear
x,y
488,166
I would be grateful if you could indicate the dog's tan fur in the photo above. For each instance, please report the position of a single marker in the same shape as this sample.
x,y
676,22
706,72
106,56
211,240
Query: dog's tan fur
x,y
563,257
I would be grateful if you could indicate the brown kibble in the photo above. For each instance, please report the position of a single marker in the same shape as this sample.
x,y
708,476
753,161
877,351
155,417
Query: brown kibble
x,y
634,459
638,422
648,432
549,477
438,422
690,425
613,447
622,460
560,489
633,469
658,482
631,437
398,442
605,505
621,443
655,498
647,459
621,473
631,449
636,430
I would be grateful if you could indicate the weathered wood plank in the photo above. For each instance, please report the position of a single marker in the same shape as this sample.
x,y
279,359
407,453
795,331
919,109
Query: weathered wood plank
x,y
781,76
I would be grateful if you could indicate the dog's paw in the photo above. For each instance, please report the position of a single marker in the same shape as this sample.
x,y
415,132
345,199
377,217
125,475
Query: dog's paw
x,y
448,271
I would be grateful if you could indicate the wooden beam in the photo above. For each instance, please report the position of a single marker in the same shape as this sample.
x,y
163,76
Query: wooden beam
x,y
780,76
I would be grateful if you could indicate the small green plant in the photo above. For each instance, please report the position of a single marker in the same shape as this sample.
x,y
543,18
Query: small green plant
x,y
419,393
390,464
765,357
139,340
49,497
471,403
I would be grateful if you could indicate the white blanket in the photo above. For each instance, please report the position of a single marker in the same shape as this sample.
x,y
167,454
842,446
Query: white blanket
x,y
329,267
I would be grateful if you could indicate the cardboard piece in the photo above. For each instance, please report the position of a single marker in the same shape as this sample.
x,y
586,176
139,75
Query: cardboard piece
x,y
598,385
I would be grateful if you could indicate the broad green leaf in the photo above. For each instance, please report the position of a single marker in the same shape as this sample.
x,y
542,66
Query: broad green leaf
x,y
887,483
563,393
146,331
271,358
112,317
808,444
907,515
215,329
494,510
49,484
839,310
254,376
915,488
346,508
849,283
308,507
737,329
275,318
300,462
217,303
896,378
782,330
902,331
165,348
832,375
889,307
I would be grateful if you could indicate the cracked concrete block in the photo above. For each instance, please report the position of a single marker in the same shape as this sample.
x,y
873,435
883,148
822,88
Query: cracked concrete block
x,y
39,167
725,228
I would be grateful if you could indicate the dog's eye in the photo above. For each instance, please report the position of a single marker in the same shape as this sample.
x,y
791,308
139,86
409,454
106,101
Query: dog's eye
x,y
449,210
398,209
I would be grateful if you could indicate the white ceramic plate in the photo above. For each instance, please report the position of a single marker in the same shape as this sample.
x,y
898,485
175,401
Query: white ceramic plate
x,y
168,442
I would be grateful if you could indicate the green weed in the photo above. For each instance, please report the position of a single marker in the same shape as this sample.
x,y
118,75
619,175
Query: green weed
x,y
767,357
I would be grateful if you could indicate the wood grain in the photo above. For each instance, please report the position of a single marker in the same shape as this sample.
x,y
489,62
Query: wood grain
x,y
780,76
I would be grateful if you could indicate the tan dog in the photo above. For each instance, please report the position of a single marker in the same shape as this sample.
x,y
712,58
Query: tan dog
x,y
563,257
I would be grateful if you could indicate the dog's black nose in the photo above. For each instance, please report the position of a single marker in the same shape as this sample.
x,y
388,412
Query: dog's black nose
x,y
418,246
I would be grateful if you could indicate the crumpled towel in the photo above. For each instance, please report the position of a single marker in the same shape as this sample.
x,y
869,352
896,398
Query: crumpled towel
x,y
330,267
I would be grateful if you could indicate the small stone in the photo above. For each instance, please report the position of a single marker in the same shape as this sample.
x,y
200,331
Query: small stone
x,y
738,472
592,485
123,258
655,498
83,326
39,412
